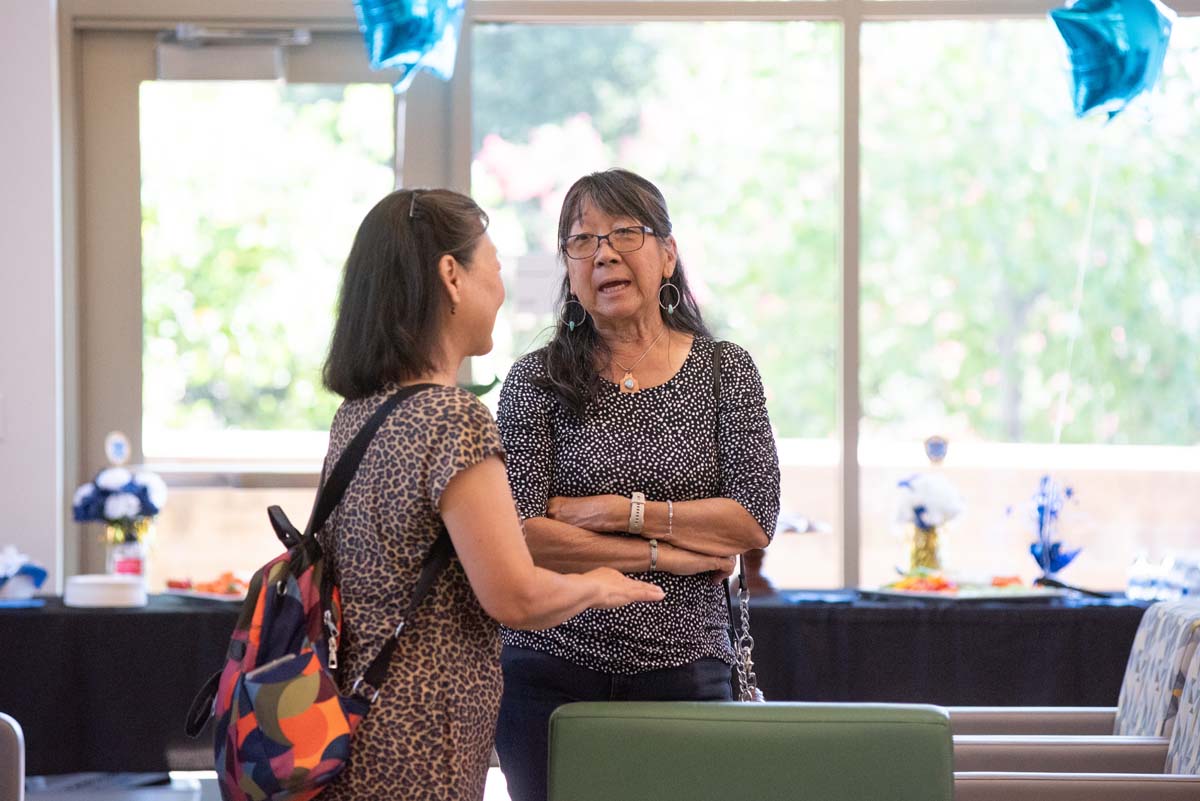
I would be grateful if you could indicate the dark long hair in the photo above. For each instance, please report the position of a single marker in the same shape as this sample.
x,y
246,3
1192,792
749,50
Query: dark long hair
x,y
571,356
391,299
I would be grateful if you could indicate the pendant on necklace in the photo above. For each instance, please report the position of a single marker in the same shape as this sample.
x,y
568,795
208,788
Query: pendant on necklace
x,y
629,383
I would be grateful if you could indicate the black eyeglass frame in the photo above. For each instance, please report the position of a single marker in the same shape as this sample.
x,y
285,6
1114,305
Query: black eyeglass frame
x,y
644,229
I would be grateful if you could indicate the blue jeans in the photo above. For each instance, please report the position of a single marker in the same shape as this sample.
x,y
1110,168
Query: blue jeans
x,y
535,684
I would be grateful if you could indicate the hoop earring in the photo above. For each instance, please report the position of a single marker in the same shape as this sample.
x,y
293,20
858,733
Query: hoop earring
x,y
563,315
669,308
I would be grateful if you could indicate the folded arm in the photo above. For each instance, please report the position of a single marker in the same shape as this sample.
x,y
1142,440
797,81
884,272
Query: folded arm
x,y
566,548
713,526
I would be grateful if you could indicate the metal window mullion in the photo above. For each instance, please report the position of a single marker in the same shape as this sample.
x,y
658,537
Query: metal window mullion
x,y
623,11
626,11
848,362
462,114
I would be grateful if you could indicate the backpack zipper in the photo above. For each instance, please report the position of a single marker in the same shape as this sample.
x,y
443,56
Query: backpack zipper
x,y
332,628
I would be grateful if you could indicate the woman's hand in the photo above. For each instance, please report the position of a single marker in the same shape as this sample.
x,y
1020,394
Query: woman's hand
x,y
683,562
617,589
594,512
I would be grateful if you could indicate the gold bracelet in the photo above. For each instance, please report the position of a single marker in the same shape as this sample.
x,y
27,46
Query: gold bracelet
x,y
637,512
653,555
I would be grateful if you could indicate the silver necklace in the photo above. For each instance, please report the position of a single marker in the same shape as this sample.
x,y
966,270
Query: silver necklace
x,y
630,384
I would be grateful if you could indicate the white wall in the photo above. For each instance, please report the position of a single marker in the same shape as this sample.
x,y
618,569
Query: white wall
x,y
31,504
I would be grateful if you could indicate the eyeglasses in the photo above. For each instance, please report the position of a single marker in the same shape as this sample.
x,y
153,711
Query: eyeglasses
x,y
622,240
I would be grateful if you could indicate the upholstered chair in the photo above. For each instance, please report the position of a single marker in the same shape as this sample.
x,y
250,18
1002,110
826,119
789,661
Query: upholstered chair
x,y
755,751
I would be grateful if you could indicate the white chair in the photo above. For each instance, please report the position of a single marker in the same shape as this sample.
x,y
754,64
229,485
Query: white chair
x,y
12,760
1167,771
1163,652
1148,703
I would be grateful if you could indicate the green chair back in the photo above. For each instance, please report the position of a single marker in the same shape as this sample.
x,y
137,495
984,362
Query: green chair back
x,y
670,751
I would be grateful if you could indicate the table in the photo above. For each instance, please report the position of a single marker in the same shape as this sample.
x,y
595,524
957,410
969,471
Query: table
x,y
109,689
835,646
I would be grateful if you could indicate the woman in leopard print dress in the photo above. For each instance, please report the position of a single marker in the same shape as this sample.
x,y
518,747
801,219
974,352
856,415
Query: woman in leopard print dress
x,y
420,293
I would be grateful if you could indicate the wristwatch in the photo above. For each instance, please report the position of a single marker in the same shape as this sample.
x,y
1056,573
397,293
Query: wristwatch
x,y
637,512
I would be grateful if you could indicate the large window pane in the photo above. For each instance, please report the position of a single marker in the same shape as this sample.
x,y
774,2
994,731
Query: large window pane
x,y
738,124
251,193
976,185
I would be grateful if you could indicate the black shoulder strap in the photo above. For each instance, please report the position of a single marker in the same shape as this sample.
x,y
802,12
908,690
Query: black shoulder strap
x,y
435,562
331,495
718,349
333,488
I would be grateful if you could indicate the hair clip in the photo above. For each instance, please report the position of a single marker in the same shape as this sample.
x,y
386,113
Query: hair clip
x,y
412,207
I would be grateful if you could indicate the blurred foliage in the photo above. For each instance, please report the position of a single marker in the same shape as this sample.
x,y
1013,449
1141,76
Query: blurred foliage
x,y
975,186
975,180
516,87
751,182
251,194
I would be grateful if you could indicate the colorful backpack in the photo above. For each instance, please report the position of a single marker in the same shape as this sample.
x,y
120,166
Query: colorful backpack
x,y
282,728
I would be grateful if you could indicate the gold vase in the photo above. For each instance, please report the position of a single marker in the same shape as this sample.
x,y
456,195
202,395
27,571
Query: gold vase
x,y
926,553
138,530
127,548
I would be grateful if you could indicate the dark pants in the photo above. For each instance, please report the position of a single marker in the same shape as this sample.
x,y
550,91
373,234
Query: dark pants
x,y
535,684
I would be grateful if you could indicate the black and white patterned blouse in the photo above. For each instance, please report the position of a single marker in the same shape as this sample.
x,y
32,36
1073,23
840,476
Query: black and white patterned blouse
x,y
661,441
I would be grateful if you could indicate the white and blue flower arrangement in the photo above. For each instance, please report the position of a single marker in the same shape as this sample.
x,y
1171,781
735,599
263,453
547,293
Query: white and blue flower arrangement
x,y
123,500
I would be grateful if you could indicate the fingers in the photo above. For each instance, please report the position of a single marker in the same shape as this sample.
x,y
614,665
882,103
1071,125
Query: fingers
x,y
647,593
631,591
724,569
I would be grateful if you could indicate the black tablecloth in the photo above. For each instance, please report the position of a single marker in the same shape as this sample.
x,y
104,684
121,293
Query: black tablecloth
x,y
109,689
834,646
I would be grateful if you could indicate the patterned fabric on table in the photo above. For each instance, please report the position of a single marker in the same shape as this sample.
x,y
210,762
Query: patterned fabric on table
x,y
1162,652
1183,756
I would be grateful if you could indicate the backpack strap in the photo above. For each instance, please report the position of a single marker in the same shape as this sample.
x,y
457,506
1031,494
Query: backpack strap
x,y
334,487
202,706
330,496
435,562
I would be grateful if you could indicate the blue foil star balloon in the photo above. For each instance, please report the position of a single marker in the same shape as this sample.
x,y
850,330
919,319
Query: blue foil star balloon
x,y
1116,48
411,35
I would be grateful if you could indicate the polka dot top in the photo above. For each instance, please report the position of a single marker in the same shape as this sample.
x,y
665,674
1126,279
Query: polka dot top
x,y
661,441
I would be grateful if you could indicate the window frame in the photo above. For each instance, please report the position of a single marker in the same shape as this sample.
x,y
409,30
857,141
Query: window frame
x,y
438,152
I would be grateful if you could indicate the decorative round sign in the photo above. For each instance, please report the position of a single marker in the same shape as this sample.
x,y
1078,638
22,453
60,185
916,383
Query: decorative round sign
x,y
116,448
935,449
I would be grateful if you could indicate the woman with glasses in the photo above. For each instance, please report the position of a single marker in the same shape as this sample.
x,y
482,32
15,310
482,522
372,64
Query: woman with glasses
x,y
621,454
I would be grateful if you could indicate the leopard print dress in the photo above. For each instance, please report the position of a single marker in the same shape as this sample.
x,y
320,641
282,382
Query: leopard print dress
x,y
429,735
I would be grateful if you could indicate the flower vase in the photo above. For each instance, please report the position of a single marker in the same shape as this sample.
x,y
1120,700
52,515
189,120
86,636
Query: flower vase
x,y
127,548
926,551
